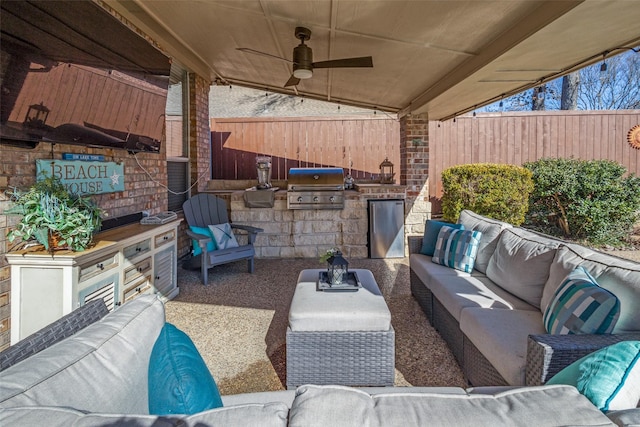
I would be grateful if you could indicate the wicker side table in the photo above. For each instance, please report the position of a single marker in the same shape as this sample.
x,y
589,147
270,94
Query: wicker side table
x,y
351,342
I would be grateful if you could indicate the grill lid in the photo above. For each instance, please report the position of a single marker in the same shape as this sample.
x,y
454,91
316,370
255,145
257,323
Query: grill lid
x,y
316,179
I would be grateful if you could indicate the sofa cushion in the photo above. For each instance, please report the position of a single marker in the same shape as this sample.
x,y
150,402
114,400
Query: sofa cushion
x,y
609,377
254,414
457,248
179,380
520,264
344,406
580,306
501,336
223,236
431,230
490,229
619,276
457,293
426,269
211,245
102,368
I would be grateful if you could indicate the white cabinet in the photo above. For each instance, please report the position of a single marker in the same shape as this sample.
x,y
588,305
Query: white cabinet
x,y
124,262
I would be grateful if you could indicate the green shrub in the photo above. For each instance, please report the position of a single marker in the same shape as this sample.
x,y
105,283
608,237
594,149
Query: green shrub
x,y
493,190
583,200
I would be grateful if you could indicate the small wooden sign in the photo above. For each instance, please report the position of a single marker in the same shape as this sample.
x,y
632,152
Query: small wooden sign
x,y
82,177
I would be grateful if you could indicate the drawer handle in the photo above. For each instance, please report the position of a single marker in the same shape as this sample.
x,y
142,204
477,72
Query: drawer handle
x,y
138,249
157,277
100,266
165,238
139,269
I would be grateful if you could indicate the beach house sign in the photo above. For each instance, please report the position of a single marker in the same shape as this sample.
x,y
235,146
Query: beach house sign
x,y
82,177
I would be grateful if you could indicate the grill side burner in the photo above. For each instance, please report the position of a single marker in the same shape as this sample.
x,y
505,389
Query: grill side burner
x,y
315,188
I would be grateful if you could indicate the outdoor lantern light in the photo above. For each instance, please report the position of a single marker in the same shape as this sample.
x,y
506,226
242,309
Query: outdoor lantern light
x,y
338,268
386,172
36,116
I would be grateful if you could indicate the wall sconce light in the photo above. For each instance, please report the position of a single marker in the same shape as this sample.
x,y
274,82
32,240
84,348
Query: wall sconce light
x,y
36,116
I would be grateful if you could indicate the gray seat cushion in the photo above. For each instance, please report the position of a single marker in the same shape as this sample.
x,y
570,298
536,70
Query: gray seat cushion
x,y
501,336
540,406
426,269
254,414
457,293
102,368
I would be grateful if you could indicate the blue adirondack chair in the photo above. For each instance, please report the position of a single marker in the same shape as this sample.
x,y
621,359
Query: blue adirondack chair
x,y
203,210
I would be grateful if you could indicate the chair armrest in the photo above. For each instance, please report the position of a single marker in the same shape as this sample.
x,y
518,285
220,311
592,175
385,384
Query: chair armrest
x,y
549,354
253,231
202,239
62,328
415,244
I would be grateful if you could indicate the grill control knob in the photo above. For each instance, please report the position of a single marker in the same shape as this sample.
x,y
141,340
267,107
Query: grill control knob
x,y
300,198
315,199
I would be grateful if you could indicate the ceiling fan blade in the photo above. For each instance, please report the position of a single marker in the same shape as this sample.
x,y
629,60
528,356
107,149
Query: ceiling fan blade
x,y
257,52
364,61
293,81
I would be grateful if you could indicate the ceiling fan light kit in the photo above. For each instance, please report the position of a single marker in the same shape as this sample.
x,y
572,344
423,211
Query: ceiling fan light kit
x,y
302,74
303,64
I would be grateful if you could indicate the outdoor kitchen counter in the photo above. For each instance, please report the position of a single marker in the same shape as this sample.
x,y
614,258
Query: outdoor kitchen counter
x,y
308,233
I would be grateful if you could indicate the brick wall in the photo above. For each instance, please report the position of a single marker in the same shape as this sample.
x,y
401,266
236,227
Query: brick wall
x,y
18,169
414,171
199,132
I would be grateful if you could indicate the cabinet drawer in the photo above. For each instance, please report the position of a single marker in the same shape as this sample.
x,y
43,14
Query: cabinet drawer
x,y
137,249
92,269
140,268
139,287
164,238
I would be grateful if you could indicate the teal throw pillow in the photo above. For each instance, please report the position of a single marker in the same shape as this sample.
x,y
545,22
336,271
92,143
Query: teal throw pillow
x,y
223,235
580,306
457,248
609,377
179,380
431,230
211,246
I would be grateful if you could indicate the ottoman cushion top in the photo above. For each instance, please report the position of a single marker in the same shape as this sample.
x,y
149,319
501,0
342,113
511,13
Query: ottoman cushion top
x,y
364,310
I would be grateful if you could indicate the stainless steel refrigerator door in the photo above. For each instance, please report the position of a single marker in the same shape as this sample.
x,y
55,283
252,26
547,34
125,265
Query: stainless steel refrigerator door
x,y
386,228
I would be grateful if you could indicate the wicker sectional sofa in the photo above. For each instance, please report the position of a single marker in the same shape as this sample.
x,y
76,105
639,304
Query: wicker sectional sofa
x,y
98,376
492,318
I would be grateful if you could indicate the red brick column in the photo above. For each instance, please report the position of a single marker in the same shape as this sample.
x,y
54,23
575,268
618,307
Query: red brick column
x,y
414,170
199,132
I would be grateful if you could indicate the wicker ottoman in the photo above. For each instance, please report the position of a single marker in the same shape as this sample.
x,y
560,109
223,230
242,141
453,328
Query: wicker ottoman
x,y
341,338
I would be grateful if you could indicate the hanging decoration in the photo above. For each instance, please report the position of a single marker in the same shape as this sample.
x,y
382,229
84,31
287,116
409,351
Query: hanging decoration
x,y
633,136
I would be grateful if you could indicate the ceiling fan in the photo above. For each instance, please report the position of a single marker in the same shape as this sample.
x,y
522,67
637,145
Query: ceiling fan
x,y
303,64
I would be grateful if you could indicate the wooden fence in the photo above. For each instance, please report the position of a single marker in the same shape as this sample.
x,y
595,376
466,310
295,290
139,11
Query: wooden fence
x,y
356,144
516,138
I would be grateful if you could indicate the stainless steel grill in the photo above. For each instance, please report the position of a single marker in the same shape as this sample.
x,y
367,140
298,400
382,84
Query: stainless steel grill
x,y
315,188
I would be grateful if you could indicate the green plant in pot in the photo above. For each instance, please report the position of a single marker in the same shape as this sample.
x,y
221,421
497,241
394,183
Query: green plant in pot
x,y
54,217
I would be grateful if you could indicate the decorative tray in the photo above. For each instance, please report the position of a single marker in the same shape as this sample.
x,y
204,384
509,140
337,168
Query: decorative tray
x,y
351,284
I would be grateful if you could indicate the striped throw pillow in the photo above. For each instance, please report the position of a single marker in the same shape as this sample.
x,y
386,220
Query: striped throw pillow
x,y
456,248
580,306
